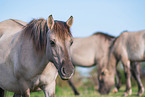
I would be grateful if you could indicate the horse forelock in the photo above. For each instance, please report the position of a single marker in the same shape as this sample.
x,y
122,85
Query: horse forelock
x,y
62,33
37,31
61,30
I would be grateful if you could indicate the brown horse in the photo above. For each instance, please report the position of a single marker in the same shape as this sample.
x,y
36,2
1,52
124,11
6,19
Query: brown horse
x,y
127,48
25,54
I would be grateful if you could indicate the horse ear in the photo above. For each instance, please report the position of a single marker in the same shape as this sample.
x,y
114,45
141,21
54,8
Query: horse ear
x,y
69,22
50,22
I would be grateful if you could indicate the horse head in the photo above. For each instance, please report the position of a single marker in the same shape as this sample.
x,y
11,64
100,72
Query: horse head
x,y
59,40
106,81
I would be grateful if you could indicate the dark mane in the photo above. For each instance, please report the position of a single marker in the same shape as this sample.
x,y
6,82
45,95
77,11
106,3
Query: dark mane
x,y
62,30
104,35
17,22
37,30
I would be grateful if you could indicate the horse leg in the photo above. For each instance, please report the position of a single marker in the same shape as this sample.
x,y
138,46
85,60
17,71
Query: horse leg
x,y
118,79
73,87
27,93
136,74
118,85
49,90
1,92
16,95
24,88
126,64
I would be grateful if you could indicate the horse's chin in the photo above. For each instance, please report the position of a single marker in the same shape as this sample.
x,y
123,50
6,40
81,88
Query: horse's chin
x,y
104,92
65,77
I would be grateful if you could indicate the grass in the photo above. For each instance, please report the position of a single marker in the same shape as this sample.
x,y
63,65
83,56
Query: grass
x,y
90,92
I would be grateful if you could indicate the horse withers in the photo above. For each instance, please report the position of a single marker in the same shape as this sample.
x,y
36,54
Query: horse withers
x,y
128,48
24,54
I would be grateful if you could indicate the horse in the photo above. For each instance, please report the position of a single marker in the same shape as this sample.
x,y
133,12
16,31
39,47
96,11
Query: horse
x,y
128,48
24,54
91,51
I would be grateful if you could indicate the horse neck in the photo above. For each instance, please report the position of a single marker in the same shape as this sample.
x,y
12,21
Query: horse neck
x,y
112,62
29,55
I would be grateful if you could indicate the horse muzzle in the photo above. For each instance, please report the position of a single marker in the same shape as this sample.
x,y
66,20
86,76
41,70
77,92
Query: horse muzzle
x,y
66,71
104,89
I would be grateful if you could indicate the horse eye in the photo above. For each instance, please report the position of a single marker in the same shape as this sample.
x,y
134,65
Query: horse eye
x,y
52,43
71,43
102,73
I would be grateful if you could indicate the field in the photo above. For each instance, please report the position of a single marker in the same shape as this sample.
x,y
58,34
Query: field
x,y
86,88
67,92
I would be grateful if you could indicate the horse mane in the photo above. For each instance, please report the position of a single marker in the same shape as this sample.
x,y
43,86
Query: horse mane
x,y
37,31
17,22
104,35
62,30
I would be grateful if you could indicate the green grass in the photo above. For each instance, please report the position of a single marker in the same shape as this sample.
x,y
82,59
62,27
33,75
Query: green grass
x,y
90,92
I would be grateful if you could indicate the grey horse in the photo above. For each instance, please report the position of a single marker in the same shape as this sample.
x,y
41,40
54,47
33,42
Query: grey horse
x,y
128,48
24,55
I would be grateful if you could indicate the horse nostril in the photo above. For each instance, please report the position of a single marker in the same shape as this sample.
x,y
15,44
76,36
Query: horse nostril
x,y
63,71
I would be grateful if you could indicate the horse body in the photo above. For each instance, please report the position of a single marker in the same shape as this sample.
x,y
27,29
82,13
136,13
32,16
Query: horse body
x,y
136,46
131,44
89,51
77,52
24,56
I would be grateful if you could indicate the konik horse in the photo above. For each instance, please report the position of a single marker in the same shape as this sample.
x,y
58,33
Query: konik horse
x,y
128,48
24,55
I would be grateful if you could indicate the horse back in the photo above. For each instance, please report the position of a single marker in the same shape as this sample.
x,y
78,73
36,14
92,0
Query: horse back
x,y
11,26
132,45
90,50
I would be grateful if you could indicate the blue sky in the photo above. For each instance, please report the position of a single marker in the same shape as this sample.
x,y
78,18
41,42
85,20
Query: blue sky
x,y
110,16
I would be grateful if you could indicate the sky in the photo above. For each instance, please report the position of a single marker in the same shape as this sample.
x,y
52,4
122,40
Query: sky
x,y
90,16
